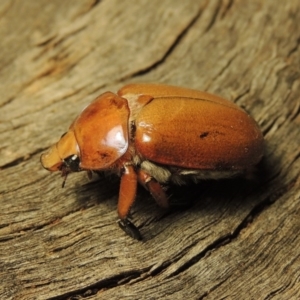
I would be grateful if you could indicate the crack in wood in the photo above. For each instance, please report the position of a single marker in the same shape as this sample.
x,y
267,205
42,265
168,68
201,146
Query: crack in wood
x,y
170,50
294,49
214,18
225,239
19,160
212,289
120,279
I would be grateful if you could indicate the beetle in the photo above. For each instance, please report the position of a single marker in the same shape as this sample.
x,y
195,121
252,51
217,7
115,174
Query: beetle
x,y
156,134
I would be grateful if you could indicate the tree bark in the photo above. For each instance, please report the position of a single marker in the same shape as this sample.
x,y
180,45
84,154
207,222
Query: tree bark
x,y
238,240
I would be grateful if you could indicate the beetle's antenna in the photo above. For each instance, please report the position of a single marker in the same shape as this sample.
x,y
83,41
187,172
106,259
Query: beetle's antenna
x,y
64,181
65,175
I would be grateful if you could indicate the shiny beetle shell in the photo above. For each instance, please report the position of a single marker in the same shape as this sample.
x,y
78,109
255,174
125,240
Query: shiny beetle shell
x,y
157,134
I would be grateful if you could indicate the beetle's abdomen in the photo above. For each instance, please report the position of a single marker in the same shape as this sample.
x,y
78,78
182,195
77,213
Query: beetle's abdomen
x,y
197,134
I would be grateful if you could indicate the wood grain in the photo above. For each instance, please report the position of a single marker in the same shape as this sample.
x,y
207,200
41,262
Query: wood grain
x,y
238,240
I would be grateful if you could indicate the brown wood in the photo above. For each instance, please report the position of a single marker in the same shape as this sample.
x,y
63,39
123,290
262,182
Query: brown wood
x,y
238,240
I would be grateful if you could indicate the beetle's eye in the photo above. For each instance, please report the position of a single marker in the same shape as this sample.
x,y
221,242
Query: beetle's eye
x,y
72,163
63,135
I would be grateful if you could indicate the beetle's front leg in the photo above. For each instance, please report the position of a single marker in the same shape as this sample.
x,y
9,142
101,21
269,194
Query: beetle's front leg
x,y
127,196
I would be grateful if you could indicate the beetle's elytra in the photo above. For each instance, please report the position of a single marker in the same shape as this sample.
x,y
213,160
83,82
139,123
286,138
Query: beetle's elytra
x,y
157,134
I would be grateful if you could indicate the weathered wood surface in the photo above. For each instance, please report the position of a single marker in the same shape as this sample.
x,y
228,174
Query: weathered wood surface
x,y
239,240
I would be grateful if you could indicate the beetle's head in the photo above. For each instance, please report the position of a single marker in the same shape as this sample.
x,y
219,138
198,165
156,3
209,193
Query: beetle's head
x,y
63,156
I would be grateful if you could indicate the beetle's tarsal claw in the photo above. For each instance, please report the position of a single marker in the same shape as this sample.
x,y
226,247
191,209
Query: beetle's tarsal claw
x,y
130,229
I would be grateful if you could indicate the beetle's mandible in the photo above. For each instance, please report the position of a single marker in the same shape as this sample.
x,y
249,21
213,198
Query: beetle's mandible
x,y
157,134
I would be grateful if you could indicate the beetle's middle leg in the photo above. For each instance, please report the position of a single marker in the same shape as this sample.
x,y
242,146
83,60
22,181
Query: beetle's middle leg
x,y
154,187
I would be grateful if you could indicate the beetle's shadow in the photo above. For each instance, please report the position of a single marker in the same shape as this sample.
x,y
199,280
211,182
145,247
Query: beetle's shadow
x,y
208,196
101,189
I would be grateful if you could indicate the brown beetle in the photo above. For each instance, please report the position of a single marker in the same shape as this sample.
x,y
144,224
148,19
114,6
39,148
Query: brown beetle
x,y
157,134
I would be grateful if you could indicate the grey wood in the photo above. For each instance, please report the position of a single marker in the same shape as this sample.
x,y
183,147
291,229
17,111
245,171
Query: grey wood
x,y
239,239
